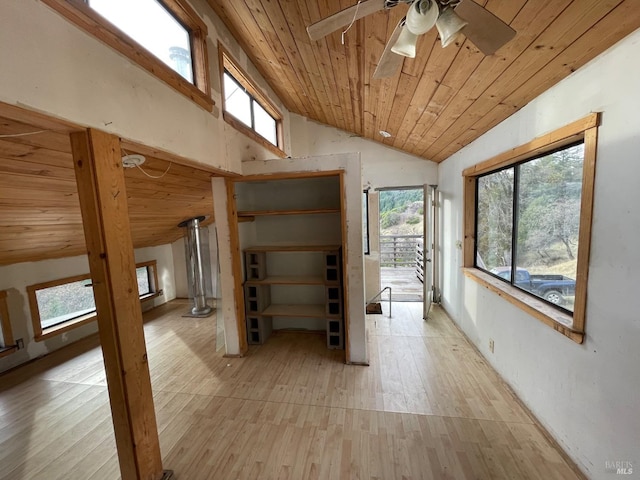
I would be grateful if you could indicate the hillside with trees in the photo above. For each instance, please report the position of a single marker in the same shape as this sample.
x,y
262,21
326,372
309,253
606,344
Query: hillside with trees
x,y
401,212
548,193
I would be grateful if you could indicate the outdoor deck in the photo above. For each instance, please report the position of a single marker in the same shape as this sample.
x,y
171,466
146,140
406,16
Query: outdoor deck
x,y
404,283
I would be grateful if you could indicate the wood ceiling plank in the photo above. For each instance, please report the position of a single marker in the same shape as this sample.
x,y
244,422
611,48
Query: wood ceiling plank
x,y
35,154
464,66
321,58
258,25
374,46
303,70
621,21
36,184
48,138
568,26
261,54
16,215
142,186
10,166
10,257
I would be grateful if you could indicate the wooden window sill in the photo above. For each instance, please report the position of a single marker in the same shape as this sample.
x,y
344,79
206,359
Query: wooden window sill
x,y
64,327
5,351
559,321
150,296
241,127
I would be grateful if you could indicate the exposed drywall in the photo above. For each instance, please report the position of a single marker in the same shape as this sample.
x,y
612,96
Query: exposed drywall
x,y
350,163
585,395
54,67
15,278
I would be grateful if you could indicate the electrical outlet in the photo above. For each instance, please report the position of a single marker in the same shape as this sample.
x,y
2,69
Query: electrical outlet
x,y
20,343
491,345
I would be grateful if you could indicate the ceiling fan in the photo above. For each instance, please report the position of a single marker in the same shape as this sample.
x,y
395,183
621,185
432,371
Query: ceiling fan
x,y
450,17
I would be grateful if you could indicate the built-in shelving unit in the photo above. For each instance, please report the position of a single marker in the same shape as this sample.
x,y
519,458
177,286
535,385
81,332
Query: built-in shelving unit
x,y
291,237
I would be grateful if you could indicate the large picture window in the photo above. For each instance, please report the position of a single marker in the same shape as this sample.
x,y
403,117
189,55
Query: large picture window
x,y
67,303
166,37
528,220
528,224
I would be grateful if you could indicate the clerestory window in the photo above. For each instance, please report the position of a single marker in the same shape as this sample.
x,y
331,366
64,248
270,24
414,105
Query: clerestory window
x,y
166,37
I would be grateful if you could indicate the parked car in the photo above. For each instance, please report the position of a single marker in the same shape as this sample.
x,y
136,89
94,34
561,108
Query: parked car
x,y
551,287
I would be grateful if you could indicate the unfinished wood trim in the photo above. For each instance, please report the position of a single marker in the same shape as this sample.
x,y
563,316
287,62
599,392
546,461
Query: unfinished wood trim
x,y
226,61
262,177
83,16
251,133
585,130
236,267
345,269
40,334
469,244
548,315
584,235
5,325
229,63
103,202
566,135
311,211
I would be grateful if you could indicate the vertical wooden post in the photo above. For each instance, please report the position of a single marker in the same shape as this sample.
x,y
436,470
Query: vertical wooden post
x,y
232,216
105,215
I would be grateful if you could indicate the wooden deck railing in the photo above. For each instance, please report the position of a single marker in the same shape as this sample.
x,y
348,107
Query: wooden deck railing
x,y
399,250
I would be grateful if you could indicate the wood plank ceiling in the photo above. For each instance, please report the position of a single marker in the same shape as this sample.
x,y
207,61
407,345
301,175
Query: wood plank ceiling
x,y
39,207
444,98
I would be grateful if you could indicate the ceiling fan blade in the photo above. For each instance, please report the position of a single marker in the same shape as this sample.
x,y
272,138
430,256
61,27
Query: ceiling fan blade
x,y
485,30
343,18
389,61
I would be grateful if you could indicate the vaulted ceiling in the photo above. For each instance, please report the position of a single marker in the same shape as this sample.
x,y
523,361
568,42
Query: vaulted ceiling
x,y
444,98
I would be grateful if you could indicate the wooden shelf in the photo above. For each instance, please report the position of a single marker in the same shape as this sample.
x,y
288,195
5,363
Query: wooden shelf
x,y
288,280
260,213
309,311
293,248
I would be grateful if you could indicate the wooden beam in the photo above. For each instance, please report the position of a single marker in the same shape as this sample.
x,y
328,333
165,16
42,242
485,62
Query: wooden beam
x,y
236,265
103,202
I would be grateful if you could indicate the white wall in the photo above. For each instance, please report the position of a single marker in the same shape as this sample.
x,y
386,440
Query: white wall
x,y
51,66
382,166
585,395
15,278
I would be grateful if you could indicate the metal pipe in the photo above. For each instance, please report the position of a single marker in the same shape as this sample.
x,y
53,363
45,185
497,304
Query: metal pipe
x,y
195,266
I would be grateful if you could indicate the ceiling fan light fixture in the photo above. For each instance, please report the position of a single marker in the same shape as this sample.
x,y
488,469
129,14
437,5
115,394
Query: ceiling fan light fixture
x,y
422,16
406,44
449,25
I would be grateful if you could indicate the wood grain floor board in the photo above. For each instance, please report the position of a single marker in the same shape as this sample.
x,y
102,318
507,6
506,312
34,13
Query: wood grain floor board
x,y
428,407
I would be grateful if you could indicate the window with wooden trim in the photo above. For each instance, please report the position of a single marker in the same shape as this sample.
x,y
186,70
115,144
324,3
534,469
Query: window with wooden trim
x,y
247,109
68,303
166,37
528,224
7,342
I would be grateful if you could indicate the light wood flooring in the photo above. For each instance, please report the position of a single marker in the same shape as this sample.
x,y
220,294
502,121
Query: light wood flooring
x,y
428,407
